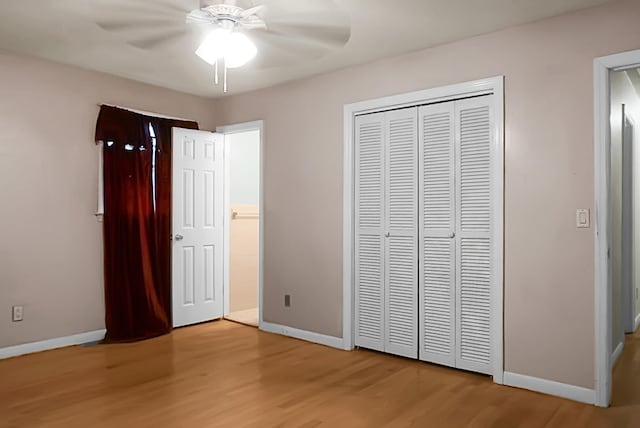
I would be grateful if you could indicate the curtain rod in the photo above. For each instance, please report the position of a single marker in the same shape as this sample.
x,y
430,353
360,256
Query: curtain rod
x,y
147,113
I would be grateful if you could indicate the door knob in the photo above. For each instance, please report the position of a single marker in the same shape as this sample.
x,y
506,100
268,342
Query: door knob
x,y
179,237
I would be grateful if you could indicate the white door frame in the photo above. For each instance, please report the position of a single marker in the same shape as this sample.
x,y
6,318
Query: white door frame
x,y
493,86
602,143
257,125
628,171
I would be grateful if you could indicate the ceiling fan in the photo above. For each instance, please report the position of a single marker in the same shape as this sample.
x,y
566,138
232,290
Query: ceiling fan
x,y
230,33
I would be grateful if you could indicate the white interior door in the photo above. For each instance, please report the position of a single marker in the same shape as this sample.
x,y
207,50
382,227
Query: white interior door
x,y
401,204
437,234
475,214
197,226
369,239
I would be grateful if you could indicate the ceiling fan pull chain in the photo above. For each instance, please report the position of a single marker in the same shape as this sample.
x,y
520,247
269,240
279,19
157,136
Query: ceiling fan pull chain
x,y
216,72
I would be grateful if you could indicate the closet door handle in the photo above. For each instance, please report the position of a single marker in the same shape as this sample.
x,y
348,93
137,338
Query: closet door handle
x,y
387,234
453,235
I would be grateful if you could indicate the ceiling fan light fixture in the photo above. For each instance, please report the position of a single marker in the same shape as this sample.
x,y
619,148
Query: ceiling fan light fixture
x,y
213,47
234,47
240,50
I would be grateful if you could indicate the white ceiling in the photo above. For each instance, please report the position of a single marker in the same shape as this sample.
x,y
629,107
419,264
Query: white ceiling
x,y
65,31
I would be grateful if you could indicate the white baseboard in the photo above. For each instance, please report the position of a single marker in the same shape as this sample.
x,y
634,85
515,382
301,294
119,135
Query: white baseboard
x,y
637,323
58,342
309,336
617,352
551,387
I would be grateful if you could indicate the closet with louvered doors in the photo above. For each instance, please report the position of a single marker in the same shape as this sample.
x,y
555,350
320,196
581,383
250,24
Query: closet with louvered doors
x,y
423,223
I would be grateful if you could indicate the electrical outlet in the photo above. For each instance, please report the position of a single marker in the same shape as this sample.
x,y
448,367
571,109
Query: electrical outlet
x,y
17,313
287,300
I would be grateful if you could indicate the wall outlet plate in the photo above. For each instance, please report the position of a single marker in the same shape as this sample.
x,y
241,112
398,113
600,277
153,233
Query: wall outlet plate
x,y
17,313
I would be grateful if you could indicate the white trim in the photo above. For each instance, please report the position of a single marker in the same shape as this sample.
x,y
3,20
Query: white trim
x,y
427,96
241,127
545,386
616,353
233,129
497,238
628,283
58,342
348,208
309,336
602,135
495,86
636,323
226,219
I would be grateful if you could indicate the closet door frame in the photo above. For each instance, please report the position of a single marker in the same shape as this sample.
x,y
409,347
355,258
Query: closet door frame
x,y
494,87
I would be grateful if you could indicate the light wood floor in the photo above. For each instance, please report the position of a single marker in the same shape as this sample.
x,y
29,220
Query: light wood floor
x,y
224,374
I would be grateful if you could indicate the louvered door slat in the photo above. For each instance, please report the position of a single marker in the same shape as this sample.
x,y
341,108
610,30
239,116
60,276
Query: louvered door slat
x,y
473,194
437,224
402,224
369,245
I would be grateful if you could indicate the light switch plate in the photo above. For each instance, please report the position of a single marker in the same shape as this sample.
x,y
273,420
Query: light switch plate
x,y
583,219
17,313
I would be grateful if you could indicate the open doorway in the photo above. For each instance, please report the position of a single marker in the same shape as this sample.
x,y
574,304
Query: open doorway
x,y
243,225
617,184
625,200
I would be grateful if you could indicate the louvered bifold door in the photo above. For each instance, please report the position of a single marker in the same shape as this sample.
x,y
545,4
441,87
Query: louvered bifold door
x,y
474,226
437,237
369,233
401,309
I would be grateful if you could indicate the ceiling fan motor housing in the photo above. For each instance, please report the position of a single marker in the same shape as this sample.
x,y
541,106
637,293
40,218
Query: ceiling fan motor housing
x,y
225,12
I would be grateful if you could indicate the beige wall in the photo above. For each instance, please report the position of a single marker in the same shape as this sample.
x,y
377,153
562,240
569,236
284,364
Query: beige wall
x,y
549,273
243,258
51,247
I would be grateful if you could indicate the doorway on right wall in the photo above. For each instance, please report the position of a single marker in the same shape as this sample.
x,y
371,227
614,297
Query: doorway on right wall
x,y
625,202
244,226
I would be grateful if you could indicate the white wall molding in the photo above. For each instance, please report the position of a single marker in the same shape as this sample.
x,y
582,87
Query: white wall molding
x,y
616,353
636,324
58,342
309,336
551,387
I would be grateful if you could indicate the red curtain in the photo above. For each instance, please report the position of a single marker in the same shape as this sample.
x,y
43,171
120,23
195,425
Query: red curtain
x,y
137,222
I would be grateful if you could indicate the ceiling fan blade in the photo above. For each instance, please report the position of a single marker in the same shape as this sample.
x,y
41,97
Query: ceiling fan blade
x,y
252,11
253,25
117,25
149,43
296,11
328,35
276,51
199,16
151,7
182,38
320,22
